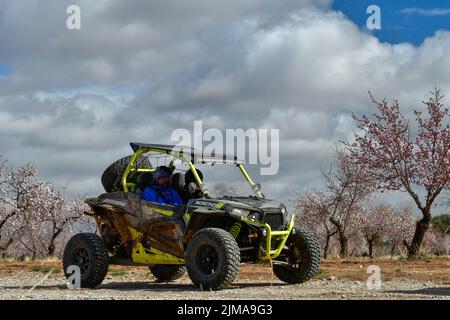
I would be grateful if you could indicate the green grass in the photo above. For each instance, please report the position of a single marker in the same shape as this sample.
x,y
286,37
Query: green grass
x,y
402,259
29,259
322,273
118,273
44,269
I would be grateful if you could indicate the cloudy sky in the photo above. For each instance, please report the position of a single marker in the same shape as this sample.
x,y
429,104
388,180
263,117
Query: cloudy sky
x,y
72,100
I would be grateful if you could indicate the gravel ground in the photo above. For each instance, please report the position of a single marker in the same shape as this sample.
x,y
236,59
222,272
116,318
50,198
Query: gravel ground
x,y
39,285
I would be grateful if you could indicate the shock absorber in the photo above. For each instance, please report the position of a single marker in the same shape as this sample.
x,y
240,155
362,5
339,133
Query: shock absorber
x,y
235,229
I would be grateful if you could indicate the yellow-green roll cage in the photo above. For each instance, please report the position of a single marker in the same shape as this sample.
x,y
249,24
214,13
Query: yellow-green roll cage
x,y
131,170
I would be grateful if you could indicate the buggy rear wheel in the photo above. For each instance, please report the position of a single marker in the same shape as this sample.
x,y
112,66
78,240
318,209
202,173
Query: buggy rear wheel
x,y
213,259
167,273
303,257
89,253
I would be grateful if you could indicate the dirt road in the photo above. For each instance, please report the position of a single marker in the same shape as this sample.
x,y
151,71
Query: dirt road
x,y
427,279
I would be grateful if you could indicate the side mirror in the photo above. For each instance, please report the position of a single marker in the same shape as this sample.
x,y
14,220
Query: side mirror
x,y
257,189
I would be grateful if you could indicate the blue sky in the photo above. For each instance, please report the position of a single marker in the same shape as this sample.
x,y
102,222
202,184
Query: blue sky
x,y
401,21
4,70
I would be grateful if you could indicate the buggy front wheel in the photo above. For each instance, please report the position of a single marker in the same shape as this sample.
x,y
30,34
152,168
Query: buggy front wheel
x,y
213,259
302,257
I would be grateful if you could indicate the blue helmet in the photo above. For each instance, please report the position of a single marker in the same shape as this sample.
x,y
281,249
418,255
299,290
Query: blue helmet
x,y
162,171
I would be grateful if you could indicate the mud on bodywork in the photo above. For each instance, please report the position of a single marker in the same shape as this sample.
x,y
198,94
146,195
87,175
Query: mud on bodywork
x,y
169,231
116,211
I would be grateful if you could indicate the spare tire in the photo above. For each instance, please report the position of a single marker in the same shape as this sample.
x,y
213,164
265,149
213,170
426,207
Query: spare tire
x,y
113,174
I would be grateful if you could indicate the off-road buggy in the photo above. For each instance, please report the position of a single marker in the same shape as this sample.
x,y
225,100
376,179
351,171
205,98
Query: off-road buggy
x,y
209,235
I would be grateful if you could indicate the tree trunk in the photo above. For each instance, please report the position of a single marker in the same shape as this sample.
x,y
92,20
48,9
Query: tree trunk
x,y
393,249
327,246
421,228
51,247
6,246
343,241
370,243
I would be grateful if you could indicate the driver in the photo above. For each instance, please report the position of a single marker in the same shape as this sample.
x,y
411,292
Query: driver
x,y
161,190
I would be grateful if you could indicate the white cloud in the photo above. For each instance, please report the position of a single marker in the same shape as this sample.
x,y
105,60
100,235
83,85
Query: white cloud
x,y
139,70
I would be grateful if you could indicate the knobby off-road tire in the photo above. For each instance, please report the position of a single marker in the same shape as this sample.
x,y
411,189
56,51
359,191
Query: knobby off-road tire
x,y
87,251
303,257
213,259
167,273
113,174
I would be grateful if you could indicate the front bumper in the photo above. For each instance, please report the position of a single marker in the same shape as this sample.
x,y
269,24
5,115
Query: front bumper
x,y
267,253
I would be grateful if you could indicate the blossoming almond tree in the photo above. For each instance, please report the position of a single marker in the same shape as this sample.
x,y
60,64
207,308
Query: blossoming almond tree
x,y
313,209
46,216
33,214
6,210
399,161
374,222
383,222
61,216
348,187
400,229
13,186
16,199
337,208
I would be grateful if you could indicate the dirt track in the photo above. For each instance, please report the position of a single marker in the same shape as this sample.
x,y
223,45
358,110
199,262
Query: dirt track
x,y
428,279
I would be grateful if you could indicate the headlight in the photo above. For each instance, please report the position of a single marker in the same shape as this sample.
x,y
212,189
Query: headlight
x,y
253,216
283,210
264,232
240,212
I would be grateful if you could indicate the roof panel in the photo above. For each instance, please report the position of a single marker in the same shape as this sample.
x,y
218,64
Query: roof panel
x,y
195,154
